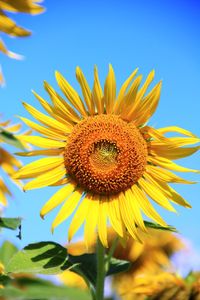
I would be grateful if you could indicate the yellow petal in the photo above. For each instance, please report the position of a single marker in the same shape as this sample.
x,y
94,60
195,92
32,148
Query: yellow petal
x,y
175,197
114,215
176,153
134,208
14,128
166,175
91,221
155,194
61,105
68,208
45,179
7,168
127,217
168,164
44,103
5,123
148,105
168,191
97,93
175,142
176,129
43,130
145,86
3,200
85,90
79,218
10,54
45,152
48,121
38,167
55,112
131,100
61,181
41,142
6,157
30,7
154,133
10,27
70,93
60,196
110,91
146,205
102,222
120,98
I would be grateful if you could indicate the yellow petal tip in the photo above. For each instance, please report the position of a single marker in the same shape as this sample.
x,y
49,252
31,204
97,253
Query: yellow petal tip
x,y
52,229
42,215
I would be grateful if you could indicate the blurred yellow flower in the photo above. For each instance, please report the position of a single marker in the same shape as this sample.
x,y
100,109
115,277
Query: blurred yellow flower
x,y
8,163
107,160
72,279
150,257
8,26
166,286
152,254
1,268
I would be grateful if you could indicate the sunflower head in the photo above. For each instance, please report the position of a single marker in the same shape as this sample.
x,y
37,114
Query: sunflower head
x,y
150,257
165,286
109,162
105,154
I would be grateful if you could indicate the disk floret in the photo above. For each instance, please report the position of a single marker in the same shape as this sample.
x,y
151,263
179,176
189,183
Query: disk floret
x,y
105,154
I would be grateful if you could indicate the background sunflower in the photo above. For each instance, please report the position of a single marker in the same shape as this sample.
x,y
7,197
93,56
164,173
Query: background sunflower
x,y
8,162
9,27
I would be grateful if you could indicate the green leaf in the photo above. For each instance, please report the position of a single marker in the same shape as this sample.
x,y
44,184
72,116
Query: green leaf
x,y
191,277
41,258
117,266
52,258
10,139
25,288
4,279
7,251
86,264
157,226
10,223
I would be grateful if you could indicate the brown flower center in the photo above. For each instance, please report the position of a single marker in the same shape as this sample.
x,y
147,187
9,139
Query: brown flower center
x,y
105,155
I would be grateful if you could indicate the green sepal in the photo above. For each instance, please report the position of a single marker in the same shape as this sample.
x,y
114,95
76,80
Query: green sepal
x,y
10,223
10,139
160,227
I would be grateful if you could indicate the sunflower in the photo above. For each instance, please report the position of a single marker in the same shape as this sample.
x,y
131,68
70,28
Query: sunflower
x,y
8,163
8,26
109,162
166,286
150,257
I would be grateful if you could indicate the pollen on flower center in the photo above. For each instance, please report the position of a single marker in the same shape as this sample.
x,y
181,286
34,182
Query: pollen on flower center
x,y
105,154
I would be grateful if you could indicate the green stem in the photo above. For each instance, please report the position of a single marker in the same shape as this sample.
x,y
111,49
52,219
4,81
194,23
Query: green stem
x,y
111,253
101,272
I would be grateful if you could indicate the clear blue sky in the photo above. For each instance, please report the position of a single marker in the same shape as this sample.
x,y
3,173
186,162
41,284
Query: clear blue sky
x,y
163,35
